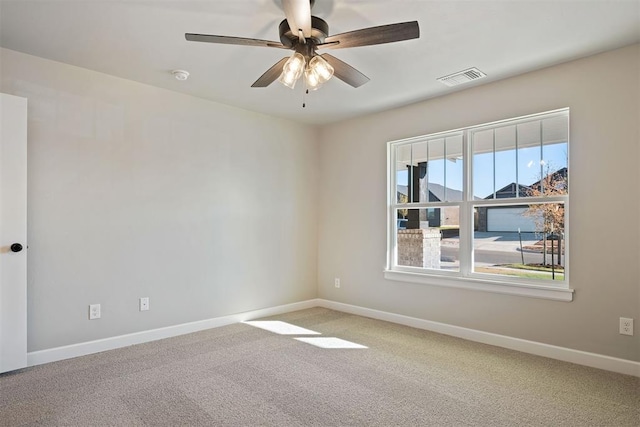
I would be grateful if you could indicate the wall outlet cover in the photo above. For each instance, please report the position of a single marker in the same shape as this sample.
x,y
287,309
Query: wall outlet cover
x,y
94,311
626,326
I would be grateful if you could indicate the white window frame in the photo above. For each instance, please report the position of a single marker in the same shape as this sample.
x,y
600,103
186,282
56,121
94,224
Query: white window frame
x,y
465,278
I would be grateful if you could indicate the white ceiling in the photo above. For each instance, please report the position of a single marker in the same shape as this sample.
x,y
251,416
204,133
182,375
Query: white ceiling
x,y
143,40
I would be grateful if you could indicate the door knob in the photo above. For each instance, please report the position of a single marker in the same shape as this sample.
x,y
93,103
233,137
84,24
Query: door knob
x,y
16,247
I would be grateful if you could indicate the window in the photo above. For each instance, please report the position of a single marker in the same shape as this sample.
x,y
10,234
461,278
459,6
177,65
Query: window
x,y
483,207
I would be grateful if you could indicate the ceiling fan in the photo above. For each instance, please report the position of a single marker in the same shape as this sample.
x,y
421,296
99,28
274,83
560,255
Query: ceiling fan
x,y
306,34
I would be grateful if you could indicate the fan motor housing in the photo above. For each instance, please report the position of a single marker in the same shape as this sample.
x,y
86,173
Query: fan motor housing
x,y
319,31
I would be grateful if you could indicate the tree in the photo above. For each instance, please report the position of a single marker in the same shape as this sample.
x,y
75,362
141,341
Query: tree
x,y
549,217
403,198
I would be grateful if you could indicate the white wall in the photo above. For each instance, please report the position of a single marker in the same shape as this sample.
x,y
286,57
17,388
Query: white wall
x,y
603,93
137,191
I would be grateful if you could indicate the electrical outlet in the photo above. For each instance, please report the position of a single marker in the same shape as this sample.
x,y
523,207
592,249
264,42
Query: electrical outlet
x,y
336,282
626,326
144,304
94,311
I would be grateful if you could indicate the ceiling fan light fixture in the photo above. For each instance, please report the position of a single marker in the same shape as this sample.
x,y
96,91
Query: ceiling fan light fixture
x,y
312,79
322,68
288,79
305,34
292,70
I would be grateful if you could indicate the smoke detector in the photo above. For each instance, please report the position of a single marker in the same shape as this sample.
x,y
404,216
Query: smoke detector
x,y
180,74
461,77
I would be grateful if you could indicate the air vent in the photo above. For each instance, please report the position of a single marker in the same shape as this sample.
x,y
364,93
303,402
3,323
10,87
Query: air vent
x,y
461,77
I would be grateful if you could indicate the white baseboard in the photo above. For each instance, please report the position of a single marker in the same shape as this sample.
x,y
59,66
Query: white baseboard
x,y
90,347
579,357
594,360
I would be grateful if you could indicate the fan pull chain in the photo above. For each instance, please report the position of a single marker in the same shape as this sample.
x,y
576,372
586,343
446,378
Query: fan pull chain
x,y
304,94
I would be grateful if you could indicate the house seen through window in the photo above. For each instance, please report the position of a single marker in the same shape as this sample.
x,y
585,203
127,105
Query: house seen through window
x,y
487,202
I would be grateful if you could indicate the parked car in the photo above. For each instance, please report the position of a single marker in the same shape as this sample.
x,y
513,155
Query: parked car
x,y
402,223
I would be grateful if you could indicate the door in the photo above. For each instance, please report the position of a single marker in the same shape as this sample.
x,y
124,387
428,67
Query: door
x,y
13,232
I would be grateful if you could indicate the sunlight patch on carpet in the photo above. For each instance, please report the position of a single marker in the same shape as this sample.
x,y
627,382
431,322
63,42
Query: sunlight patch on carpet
x,y
327,342
282,328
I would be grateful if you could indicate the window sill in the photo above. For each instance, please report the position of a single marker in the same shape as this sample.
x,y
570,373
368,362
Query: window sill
x,y
532,291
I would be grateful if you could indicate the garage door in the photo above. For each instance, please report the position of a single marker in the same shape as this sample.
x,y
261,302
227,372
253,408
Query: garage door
x,y
509,219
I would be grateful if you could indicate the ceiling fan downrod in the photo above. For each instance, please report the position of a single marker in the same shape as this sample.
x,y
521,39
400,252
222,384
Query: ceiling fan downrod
x,y
319,32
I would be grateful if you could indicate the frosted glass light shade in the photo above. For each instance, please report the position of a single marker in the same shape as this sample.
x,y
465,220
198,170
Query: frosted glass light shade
x,y
292,70
288,79
322,68
312,79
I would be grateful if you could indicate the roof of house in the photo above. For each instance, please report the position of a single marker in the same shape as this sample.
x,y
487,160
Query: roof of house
x,y
509,190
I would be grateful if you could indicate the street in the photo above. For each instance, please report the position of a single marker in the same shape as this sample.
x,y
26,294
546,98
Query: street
x,y
494,257
496,248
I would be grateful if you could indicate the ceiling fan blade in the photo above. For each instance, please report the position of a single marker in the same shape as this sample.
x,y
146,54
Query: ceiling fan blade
x,y
374,35
298,13
345,72
208,38
271,74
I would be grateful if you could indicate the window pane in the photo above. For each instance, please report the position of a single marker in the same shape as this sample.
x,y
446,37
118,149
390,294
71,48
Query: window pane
x,y
435,172
454,168
403,160
429,238
529,156
505,160
437,169
555,155
498,249
419,160
555,130
483,164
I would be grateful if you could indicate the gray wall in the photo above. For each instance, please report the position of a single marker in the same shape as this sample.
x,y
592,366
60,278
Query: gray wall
x,y
137,191
603,93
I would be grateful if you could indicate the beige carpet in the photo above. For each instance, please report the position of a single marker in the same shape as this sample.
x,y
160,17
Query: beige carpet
x,y
241,375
